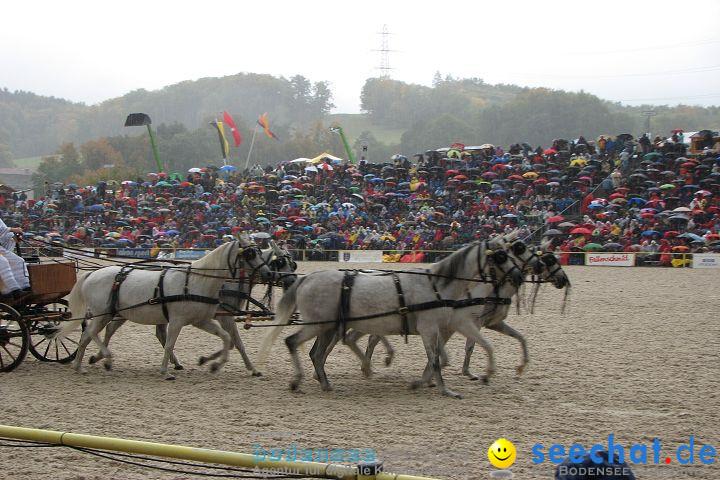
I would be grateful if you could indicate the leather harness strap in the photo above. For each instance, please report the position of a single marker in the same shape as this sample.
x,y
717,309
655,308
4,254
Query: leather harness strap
x,y
115,290
344,308
403,310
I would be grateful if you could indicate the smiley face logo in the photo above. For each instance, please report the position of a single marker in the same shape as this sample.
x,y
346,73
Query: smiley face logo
x,y
502,453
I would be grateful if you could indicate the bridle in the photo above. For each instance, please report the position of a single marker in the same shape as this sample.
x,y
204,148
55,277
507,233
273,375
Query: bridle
x,y
246,255
280,261
499,257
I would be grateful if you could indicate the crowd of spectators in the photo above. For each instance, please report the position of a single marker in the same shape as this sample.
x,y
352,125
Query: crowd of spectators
x,y
616,194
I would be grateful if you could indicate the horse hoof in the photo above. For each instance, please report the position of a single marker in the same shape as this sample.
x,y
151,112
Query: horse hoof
x,y
451,394
170,376
202,360
327,388
520,369
367,372
431,384
473,377
485,380
108,366
93,359
294,386
215,367
256,374
179,367
388,360
416,384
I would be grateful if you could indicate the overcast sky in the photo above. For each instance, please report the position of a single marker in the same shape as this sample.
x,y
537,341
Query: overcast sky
x,y
632,51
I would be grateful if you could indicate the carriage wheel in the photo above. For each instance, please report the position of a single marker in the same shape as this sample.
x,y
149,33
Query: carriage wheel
x,y
44,342
14,338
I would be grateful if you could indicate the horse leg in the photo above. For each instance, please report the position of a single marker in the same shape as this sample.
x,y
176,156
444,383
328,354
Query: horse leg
x,y
472,333
212,326
161,334
329,348
230,327
366,368
508,330
173,330
431,341
109,332
351,339
389,351
94,325
319,353
293,342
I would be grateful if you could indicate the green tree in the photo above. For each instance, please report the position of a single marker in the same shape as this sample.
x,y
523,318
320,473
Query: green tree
x,y
99,153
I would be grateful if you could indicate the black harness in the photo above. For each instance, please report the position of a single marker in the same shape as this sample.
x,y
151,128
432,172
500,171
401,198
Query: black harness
x,y
404,309
159,296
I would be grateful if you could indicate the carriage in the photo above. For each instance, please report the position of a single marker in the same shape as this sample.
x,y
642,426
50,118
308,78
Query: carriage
x,y
29,323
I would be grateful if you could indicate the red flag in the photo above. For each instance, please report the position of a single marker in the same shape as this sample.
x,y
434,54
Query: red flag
x,y
233,128
263,122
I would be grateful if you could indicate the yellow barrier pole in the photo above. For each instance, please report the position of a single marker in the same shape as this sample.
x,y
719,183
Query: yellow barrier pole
x,y
310,469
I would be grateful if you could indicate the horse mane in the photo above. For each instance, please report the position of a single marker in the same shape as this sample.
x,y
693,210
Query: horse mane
x,y
448,267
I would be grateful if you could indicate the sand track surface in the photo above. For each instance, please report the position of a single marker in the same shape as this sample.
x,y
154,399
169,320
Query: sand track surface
x,y
636,356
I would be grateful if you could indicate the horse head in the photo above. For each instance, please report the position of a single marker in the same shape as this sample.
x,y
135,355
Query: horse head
x,y
282,265
251,257
493,257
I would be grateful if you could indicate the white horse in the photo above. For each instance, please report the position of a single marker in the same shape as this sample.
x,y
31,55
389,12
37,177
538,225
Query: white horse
x,y
233,297
156,295
491,313
409,302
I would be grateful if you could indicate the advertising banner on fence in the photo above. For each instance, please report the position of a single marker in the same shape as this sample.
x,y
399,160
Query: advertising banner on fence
x,y
706,260
610,259
133,252
361,256
183,254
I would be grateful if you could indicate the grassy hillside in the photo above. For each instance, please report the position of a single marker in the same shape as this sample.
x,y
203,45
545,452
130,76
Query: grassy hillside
x,y
29,162
353,124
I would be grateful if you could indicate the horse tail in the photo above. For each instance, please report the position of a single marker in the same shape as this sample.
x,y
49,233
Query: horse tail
x,y
285,309
77,306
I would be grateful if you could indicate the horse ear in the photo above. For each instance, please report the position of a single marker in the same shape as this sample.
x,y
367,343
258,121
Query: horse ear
x,y
545,246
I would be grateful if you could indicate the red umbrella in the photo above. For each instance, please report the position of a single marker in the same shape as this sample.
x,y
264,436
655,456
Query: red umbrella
x,y
580,231
555,219
460,177
550,151
585,178
540,180
616,195
450,173
712,236
516,177
671,234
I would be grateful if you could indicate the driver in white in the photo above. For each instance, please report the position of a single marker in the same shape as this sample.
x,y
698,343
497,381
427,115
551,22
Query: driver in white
x,y
13,272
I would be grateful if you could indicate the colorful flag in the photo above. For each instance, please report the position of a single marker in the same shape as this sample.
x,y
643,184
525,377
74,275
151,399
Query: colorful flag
x,y
263,122
233,128
224,145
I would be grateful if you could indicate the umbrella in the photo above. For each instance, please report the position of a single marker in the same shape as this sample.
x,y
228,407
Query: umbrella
x,y
671,234
228,168
679,218
682,209
613,247
555,219
260,235
593,247
650,233
667,186
581,231
551,232
550,151
566,225
194,170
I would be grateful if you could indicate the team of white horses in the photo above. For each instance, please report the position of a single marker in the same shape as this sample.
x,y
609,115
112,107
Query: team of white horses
x,y
468,290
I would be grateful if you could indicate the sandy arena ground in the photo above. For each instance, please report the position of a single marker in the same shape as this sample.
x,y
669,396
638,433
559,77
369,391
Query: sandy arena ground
x,y
637,356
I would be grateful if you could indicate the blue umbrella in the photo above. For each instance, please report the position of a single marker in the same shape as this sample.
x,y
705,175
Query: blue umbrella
x,y
650,233
172,232
228,168
637,200
96,208
596,206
